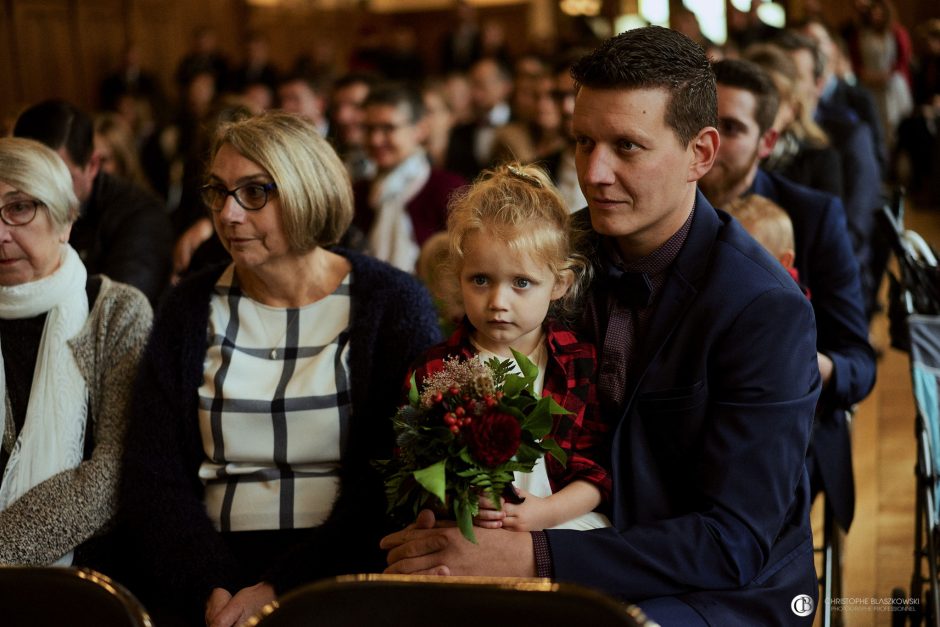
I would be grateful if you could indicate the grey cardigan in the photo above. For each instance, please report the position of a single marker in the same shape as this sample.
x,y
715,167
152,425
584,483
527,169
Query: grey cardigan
x,y
57,515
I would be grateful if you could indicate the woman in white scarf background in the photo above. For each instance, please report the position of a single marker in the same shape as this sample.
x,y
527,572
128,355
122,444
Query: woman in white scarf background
x,y
70,347
406,203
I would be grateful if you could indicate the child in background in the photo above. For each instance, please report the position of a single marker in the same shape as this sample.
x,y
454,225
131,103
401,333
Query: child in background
x,y
769,224
433,271
511,253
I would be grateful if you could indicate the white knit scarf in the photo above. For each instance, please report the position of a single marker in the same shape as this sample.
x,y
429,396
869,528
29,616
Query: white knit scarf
x,y
53,434
392,237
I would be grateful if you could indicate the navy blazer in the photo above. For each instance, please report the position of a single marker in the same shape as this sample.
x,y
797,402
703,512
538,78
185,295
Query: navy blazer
x,y
828,268
710,496
859,101
861,182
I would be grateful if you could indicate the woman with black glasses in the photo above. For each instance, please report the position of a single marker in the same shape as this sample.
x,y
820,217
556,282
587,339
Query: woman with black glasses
x,y
267,387
70,345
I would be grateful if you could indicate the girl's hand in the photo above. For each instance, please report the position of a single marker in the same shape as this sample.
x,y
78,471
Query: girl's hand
x,y
489,517
530,515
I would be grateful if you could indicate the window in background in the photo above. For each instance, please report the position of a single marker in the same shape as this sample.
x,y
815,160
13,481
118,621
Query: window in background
x,y
711,15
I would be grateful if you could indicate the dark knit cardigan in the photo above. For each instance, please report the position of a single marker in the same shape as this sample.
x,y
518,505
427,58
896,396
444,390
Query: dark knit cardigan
x,y
392,321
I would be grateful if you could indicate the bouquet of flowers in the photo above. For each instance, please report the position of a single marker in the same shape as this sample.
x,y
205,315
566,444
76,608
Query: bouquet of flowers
x,y
464,434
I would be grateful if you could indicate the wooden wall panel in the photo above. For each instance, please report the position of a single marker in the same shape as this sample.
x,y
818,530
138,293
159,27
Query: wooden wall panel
x,y
297,32
101,34
46,50
163,29
157,27
432,26
11,94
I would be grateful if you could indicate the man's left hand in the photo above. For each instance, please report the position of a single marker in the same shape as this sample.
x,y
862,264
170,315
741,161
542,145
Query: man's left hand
x,y
431,548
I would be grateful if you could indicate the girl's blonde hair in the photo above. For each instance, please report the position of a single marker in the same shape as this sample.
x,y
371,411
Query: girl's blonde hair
x,y
519,205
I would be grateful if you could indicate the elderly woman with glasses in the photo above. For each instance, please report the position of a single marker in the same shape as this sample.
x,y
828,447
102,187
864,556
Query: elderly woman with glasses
x,y
268,386
70,345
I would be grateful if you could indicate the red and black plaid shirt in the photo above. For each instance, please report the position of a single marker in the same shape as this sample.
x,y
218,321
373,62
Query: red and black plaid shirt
x,y
570,378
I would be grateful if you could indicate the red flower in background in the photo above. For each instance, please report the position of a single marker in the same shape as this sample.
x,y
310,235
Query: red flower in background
x,y
493,438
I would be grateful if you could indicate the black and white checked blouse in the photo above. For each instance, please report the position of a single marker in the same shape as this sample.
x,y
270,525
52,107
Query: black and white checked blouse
x,y
274,409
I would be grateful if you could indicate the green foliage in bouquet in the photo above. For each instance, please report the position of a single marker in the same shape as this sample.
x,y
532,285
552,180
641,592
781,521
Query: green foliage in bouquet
x,y
464,434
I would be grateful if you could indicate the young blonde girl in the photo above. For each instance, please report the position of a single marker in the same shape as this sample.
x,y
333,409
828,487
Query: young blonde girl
x,y
512,257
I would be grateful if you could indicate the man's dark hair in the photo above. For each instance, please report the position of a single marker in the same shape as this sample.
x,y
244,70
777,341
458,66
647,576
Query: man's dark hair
x,y
355,78
657,58
750,77
793,42
57,124
398,95
315,83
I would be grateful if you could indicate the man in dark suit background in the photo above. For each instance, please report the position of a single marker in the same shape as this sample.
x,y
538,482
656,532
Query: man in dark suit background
x,y
122,230
470,148
708,372
854,141
838,94
747,104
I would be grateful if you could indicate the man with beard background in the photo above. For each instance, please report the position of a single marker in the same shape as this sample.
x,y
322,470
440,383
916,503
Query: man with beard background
x,y
747,104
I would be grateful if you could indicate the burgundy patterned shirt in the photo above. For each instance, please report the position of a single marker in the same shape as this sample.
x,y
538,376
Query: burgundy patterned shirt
x,y
621,331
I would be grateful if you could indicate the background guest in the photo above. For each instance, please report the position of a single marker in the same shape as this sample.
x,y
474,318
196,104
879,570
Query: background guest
x,y
747,101
536,134
881,53
257,67
122,231
303,94
802,152
407,201
117,154
440,120
471,144
346,117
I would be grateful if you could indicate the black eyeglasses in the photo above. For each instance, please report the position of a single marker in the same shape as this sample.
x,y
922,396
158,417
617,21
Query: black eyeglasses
x,y
19,212
251,196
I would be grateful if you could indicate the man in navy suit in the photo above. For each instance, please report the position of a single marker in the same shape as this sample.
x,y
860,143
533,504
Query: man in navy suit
x,y
747,104
854,141
708,372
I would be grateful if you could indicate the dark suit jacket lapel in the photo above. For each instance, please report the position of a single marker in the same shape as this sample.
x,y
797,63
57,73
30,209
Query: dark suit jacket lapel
x,y
679,290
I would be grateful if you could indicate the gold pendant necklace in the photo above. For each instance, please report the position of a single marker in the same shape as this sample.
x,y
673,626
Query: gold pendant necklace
x,y
293,315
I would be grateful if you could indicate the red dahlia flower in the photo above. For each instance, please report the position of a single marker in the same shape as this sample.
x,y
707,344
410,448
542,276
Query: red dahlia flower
x,y
493,438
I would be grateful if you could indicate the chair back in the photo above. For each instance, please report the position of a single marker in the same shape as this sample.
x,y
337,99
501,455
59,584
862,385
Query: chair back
x,y
395,600
78,597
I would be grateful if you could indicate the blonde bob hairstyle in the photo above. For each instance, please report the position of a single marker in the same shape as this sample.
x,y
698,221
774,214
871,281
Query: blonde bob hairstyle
x,y
37,171
519,205
312,183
